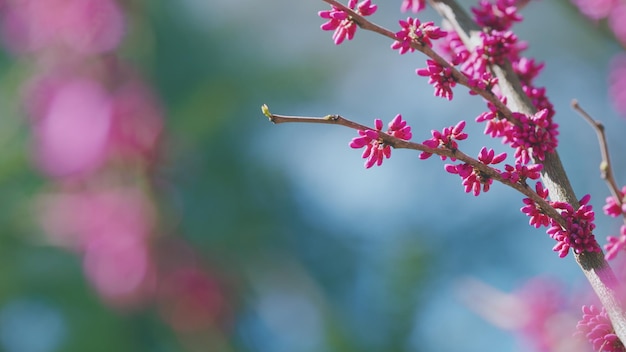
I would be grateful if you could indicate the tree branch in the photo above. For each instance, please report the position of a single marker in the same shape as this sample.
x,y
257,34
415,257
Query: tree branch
x,y
594,266
606,168
398,143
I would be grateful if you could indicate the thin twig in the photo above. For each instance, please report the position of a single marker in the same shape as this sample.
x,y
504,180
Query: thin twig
x,y
398,143
458,76
606,168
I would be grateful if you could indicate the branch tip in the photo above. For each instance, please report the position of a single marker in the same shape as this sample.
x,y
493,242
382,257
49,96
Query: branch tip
x,y
266,111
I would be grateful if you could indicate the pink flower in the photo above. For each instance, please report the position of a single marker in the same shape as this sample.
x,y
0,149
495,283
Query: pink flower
x,y
415,32
617,83
497,125
445,139
83,26
440,77
120,268
375,148
598,329
71,138
534,137
499,16
519,172
110,228
527,69
341,22
537,217
596,9
615,244
474,179
136,122
612,207
414,5
578,232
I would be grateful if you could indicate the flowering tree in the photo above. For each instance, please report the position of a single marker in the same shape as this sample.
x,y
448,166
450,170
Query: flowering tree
x,y
485,56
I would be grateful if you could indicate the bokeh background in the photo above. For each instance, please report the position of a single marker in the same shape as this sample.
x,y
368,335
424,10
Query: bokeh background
x,y
188,222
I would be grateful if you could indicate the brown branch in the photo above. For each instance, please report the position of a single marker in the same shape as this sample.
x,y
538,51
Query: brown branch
x,y
398,143
458,76
594,266
606,167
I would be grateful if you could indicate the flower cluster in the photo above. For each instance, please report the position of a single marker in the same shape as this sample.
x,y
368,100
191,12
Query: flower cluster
x,y
375,148
597,328
474,179
414,5
519,173
440,77
533,136
537,216
615,244
613,207
447,139
415,32
499,15
578,231
341,22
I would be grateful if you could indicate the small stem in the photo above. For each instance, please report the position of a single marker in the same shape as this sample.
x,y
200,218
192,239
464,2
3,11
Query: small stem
x,y
458,76
398,143
606,168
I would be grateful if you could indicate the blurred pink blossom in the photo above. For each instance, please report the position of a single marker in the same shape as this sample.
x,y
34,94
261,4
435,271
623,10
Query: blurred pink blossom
x,y
120,268
75,219
83,26
72,136
595,9
617,83
111,229
617,22
137,121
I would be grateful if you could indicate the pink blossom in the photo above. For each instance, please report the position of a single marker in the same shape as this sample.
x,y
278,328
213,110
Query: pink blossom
x,y
497,125
136,122
71,138
453,48
533,137
527,69
440,77
539,99
499,15
613,207
74,219
596,9
110,228
414,5
473,179
445,139
596,326
486,81
120,268
375,149
617,83
341,22
537,217
615,244
83,26
578,232
415,32
519,173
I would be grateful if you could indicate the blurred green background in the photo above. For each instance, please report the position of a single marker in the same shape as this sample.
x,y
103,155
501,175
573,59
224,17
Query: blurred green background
x,y
317,254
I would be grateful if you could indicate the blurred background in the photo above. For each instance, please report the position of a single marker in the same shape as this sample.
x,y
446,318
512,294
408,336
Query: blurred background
x,y
148,205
